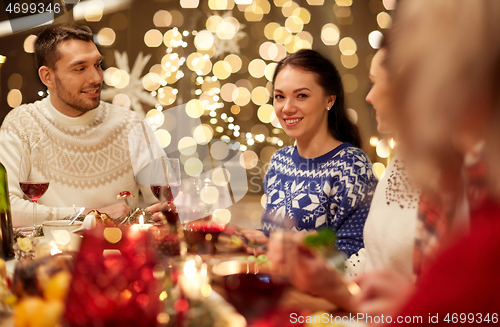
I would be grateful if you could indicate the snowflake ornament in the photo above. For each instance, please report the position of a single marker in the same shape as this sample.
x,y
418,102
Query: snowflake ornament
x,y
134,89
229,45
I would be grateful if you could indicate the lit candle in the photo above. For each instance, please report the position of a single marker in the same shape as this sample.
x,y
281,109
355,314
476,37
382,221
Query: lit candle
x,y
141,226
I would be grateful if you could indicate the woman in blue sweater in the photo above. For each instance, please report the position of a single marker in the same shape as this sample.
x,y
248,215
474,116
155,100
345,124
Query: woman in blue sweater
x,y
325,179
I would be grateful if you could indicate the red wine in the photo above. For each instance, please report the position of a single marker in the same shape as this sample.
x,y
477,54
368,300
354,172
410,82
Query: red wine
x,y
253,294
170,214
202,236
169,191
34,190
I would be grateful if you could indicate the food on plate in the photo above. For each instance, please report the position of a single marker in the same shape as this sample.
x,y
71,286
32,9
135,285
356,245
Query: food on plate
x,y
102,218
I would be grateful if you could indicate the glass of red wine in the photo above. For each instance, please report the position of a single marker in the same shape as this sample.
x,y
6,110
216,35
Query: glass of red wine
x,y
34,179
165,178
165,182
250,286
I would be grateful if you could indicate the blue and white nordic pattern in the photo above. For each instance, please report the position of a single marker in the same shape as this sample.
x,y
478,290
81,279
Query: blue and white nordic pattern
x,y
332,190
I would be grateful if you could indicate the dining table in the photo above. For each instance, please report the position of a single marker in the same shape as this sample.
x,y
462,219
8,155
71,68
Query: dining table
x,y
293,307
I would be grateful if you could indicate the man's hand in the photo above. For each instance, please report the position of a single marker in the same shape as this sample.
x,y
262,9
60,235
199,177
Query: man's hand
x,y
116,210
155,211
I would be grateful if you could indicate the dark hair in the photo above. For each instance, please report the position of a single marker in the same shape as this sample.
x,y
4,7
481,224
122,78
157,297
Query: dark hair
x,y
46,43
328,77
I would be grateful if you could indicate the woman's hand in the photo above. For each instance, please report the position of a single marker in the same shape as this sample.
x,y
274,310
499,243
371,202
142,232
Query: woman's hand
x,y
382,292
256,241
307,270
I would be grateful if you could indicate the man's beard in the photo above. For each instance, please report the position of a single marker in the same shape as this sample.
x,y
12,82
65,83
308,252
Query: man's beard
x,y
73,101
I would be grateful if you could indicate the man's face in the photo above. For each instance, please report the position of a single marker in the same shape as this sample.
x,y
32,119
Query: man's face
x,y
77,78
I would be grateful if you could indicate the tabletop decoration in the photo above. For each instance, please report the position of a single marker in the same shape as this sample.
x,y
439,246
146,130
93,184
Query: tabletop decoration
x,y
6,297
113,283
25,245
185,294
40,287
124,195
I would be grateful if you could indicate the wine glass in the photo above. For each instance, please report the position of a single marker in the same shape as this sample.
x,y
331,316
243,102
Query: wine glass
x,y
34,179
165,182
252,287
165,178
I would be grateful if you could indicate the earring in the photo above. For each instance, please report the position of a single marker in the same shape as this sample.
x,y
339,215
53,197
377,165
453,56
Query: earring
x,y
328,108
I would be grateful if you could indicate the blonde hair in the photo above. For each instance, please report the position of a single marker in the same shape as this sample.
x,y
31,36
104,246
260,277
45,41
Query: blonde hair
x,y
445,61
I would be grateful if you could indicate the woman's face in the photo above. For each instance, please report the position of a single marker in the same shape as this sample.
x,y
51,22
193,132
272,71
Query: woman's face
x,y
379,95
300,104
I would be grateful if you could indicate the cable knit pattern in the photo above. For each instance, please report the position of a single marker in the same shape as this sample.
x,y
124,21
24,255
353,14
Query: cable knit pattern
x,y
88,156
333,190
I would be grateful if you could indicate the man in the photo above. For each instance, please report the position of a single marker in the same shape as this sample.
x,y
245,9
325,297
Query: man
x,y
85,142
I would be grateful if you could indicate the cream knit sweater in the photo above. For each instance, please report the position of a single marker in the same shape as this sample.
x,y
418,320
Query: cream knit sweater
x,y
88,157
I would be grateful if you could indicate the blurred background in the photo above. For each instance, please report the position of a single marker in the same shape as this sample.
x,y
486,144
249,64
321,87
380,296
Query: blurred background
x,y
218,57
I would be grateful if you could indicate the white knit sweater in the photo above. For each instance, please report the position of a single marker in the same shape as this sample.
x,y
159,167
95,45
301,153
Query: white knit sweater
x,y
88,157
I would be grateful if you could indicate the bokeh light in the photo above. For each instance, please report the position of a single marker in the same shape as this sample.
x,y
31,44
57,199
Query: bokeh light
x,y
269,30
29,44
378,169
249,159
384,20
194,108
330,34
257,68
166,95
260,95
375,38
14,98
347,46
204,40
189,3
227,92
162,18
353,115
93,11
222,69
344,3
315,2
187,146
193,167
219,150
153,38
374,141
106,36
234,61
220,4
155,118
265,113
164,137
389,4
202,134
221,216
349,61
383,149
241,96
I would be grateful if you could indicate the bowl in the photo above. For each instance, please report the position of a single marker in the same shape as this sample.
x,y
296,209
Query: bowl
x,y
56,225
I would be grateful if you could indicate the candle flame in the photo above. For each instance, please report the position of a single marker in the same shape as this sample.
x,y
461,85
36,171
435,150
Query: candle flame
x,y
54,250
141,220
